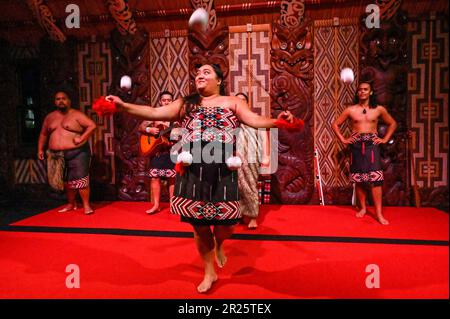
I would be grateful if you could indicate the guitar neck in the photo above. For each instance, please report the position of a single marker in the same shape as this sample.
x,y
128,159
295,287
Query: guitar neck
x,y
165,130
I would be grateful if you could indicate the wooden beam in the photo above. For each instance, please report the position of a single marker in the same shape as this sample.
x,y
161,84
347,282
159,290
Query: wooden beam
x,y
226,9
45,19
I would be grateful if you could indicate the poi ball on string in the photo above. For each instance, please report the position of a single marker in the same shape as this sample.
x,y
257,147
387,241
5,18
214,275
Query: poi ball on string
x,y
347,75
185,158
125,82
234,163
199,18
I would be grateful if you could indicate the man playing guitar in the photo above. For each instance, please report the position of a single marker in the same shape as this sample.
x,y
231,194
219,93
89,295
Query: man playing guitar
x,y
161,166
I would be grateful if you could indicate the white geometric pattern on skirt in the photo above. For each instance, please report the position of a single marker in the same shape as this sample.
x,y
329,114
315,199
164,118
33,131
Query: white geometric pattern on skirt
x,y
205,210
161,173
79,183
375,176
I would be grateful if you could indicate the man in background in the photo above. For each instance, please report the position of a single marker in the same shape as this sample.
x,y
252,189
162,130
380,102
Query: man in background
x,y
66,132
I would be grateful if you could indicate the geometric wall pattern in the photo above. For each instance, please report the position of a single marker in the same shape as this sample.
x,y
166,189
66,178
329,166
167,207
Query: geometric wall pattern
x,y
30,171
169,66
335,48
249,60
95,76
428,100
249,73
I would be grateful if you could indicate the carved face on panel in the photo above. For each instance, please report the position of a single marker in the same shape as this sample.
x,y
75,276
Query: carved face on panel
x,y
209,47
291,77
291,49
384,46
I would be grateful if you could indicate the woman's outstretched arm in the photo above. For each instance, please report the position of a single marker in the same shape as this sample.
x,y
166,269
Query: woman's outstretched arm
x,y
246,116
170,112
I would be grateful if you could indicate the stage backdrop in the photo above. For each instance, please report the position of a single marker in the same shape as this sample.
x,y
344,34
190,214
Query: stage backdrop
x,y
169,70
249,61
94,74
169,67
336,46
428,105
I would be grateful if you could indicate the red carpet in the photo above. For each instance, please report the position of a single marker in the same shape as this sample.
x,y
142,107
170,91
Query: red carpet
x,y
406,222
32,264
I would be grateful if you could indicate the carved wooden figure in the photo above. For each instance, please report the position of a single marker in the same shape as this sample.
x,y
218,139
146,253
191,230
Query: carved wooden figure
x,y
292,87
384,64
131,57
210,47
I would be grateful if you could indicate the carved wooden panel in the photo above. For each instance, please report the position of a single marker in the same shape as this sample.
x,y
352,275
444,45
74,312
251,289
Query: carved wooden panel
x,y
428,103
208,5
45,18
208,47
384,63
130,57
122,15
58,71
95,76
292,89
335,47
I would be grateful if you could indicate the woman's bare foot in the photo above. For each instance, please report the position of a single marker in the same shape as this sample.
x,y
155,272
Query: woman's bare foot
x,y
221,259
68,208
252,224
207,282
153,210
382,220
88,210
361,213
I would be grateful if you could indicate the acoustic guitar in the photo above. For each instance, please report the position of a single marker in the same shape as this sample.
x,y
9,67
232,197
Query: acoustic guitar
x,y
151,144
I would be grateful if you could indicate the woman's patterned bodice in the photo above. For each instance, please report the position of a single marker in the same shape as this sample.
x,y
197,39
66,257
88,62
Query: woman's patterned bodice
x,y
210,124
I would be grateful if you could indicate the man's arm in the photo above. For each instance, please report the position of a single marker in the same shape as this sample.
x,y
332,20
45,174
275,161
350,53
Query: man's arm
x,y
338,122
88,125
143,127
43,138
390,122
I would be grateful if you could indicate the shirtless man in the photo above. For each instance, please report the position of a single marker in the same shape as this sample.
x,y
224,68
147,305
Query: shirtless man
x,y
67,131
365,162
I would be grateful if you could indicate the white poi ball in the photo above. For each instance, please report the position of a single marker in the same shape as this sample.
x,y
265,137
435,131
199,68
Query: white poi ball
x,y
200,17
125,82
185,158
234,162
347,75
